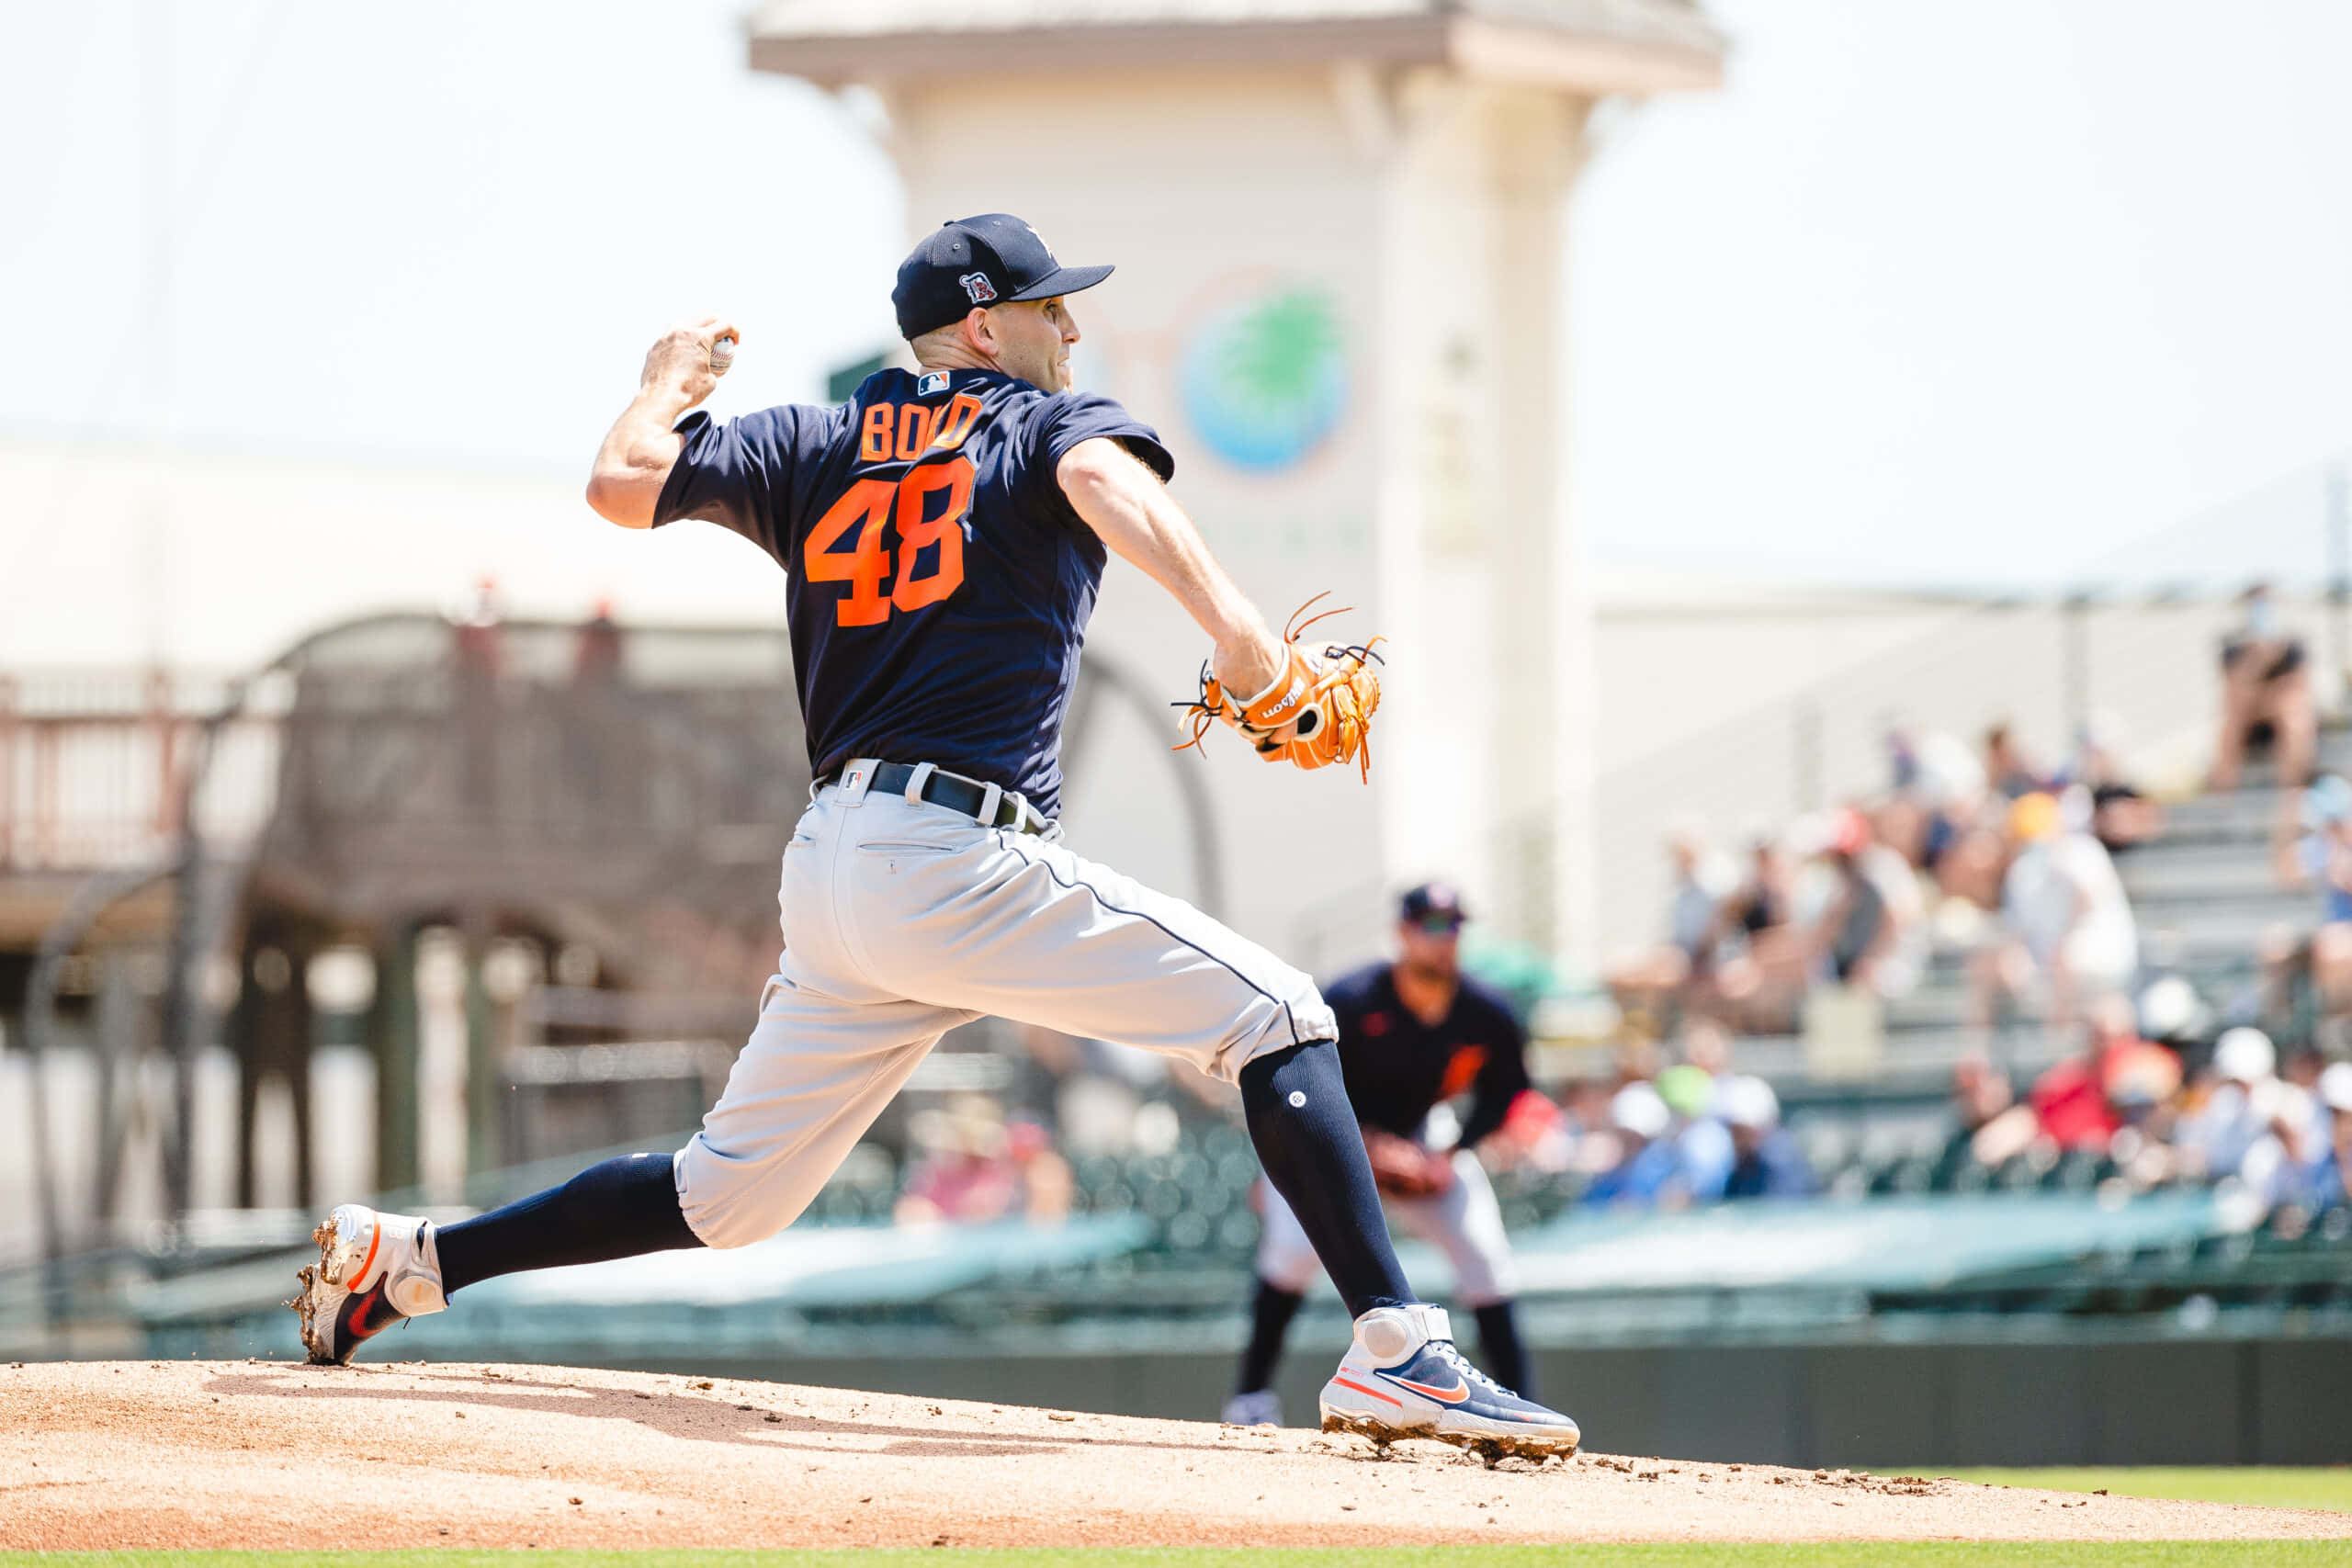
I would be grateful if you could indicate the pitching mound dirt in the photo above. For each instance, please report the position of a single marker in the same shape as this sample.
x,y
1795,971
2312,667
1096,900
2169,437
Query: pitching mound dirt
x,y
107,1455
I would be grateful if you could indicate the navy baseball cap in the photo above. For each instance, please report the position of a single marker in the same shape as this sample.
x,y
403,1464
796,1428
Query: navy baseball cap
x,y
1431,902
986,260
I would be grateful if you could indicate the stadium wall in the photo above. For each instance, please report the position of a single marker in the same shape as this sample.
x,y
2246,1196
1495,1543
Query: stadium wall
x,y
2281,1400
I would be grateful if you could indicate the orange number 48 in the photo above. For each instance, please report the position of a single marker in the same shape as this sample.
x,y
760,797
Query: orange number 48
x,y
923,522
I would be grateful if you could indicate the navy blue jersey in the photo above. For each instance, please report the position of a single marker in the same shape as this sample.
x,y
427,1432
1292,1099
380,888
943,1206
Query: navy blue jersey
x,y
938,581
1398,1068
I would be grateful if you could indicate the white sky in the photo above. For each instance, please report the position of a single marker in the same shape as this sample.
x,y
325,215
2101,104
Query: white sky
x,y
1936,291
1972,288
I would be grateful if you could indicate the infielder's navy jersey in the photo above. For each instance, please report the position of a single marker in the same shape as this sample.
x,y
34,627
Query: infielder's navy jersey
x,y
939,582
1398,1068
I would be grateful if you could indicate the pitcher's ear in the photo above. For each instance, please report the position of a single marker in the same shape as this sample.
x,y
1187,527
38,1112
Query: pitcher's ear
x,y
980,331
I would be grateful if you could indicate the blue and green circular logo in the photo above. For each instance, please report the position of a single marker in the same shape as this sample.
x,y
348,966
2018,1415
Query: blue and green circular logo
x,y
1265,380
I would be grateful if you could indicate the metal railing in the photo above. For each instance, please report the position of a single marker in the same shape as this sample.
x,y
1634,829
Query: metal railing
x,y
90,764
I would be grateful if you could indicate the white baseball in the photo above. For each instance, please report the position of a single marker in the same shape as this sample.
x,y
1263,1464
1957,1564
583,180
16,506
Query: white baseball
x,y
722,355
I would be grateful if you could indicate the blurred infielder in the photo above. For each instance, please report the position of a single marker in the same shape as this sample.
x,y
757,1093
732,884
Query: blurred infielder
x,y
1413,1035
943,533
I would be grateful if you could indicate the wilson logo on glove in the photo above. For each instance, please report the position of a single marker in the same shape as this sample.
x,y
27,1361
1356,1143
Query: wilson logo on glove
x,y
1317,711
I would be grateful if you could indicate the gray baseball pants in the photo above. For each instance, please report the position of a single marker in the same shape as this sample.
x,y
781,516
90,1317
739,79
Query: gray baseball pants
x,y
902,920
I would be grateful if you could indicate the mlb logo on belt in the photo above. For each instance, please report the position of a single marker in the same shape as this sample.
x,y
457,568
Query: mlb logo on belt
x,y
978,285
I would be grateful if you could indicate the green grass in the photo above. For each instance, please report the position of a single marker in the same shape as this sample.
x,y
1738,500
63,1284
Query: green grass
x,y
2311,1488
1847,1554
2329,1488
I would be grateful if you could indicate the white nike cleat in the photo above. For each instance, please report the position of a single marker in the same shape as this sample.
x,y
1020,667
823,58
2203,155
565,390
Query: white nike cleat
x,y
1259,1407
1403,1378
374,1270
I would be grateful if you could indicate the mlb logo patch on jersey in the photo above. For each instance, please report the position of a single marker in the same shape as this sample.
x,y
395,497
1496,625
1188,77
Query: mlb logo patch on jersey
x,y
931,383
977,284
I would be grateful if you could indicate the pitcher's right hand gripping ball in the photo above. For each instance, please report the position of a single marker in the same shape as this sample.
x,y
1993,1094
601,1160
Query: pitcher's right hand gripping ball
x,y
1317,711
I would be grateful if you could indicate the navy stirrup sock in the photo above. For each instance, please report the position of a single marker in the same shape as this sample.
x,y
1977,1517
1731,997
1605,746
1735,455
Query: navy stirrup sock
x,y
1499,1347
1269,1316
1296,1104
617,1209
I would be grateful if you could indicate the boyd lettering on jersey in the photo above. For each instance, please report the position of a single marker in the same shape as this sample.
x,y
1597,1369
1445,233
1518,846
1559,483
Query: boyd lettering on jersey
x,y
939,582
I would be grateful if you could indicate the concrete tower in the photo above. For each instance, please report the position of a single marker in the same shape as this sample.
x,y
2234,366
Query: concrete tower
x,y
1341,233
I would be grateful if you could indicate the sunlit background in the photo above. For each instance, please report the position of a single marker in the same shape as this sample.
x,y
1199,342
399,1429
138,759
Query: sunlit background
x,y
375,820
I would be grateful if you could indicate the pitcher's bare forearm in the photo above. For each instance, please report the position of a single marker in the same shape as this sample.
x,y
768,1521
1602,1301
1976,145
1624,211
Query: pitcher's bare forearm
x,y
643,445
1133,514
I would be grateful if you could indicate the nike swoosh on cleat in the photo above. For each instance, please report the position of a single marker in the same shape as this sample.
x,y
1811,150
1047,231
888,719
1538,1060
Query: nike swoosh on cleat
x,y
1455,1395
355,1314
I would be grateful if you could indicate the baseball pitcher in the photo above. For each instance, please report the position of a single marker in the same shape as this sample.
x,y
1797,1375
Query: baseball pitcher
x,y
943,534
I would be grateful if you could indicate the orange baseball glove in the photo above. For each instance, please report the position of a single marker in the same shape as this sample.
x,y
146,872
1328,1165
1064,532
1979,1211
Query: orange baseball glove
x,y
1317,712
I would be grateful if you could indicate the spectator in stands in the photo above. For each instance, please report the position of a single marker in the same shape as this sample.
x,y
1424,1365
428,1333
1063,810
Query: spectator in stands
x,y
1694,912
1969,866
2265,695
1593,1144
2118,1081
1760,903
1761,969
1535,1136
2172,1013
1638,1058
1870,930
1702,1145
2006,769
2305,1067
2320,856
2281,1168
1047,1184
2331,1174
1949,790
1647,1173
1706,1045
2254,1126
2121,816
2331,975
2274,996
1902,818
2070,923
975,1167
2216,1134
1982,1098
2142,1083
1766,1162
1656,981
2070,1102
1901,760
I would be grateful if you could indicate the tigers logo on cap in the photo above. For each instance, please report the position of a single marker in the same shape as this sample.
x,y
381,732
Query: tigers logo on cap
x,y
992,258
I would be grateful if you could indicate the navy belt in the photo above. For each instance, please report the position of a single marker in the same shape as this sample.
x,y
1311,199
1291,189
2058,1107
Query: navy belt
x,y
958,794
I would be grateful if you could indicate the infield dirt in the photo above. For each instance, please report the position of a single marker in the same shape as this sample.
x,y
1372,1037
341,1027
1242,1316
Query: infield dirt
x,y
113,1455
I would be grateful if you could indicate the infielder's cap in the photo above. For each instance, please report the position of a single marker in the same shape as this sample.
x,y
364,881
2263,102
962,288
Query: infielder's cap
x,y
1432,900
986,260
